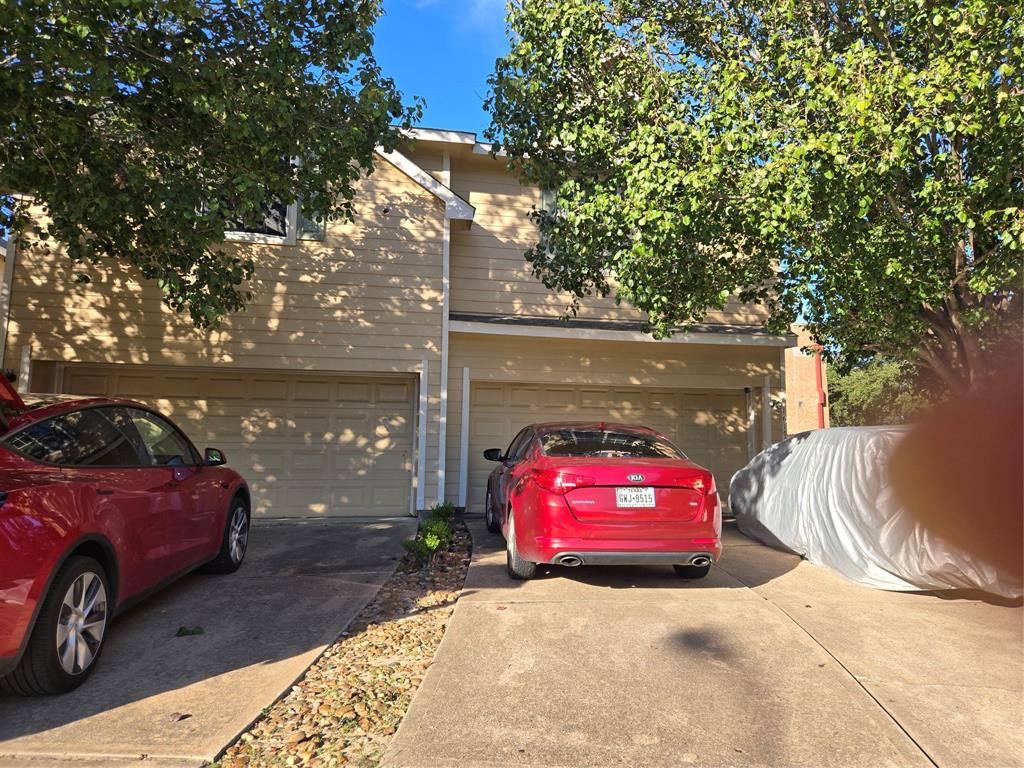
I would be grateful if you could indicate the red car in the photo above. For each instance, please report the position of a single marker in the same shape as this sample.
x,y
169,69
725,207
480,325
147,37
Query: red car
x,y
101,503
581,494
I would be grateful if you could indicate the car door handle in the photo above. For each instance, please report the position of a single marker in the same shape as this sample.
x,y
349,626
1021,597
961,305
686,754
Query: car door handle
x,y
104,492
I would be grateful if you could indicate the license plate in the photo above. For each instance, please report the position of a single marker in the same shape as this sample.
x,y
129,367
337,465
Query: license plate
x,y
638,496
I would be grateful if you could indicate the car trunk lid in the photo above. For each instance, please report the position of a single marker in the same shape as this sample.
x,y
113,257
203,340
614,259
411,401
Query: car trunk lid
x,y
631,490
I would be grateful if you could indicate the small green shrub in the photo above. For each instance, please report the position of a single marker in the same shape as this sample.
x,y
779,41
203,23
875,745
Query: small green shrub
x,y
445,510
418,550
435,533
437,528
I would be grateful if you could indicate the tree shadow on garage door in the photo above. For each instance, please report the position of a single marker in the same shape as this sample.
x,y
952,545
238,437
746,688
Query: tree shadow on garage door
x,y
156,692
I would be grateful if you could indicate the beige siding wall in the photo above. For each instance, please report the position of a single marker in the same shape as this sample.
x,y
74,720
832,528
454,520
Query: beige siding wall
x,y
366,299
489,272
601,363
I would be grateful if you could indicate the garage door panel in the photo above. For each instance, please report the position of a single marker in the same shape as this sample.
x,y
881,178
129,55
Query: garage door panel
x,y
305,462
263,461
387,496
310,390
519,397
269,389
307,444
707,425
357,392
556,397
484,395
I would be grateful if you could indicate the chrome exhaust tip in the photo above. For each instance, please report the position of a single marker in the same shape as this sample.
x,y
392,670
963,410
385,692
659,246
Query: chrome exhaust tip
x,y
570,561
700,561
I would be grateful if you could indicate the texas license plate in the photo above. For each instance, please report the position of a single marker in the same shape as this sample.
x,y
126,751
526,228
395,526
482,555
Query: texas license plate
x,y
638,496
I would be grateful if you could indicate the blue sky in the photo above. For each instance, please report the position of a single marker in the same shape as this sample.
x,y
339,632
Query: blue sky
x,y
442,50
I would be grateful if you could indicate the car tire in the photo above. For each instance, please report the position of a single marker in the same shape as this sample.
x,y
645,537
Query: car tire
x,y
235,539
692,571
489,518
78,608
518,568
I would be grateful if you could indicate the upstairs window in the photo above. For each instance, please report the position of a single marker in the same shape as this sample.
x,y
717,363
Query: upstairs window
x,y
281,224
309,227
277,225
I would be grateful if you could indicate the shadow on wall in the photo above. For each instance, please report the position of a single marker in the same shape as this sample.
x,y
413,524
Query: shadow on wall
x,y
379,276
367,297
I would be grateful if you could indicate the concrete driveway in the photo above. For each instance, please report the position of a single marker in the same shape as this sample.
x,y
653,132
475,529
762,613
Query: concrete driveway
x,y
769,661
180,700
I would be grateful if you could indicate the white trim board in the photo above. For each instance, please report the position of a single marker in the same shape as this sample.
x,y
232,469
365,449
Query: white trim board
x,y
454,206
6,287
442,427
599,334
421,442
442,135
453,137
464,441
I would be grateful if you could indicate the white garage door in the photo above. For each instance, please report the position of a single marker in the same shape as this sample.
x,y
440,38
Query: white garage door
x,y
309,445
709,426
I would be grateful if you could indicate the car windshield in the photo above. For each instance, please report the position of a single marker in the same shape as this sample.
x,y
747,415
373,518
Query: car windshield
x,y
607,444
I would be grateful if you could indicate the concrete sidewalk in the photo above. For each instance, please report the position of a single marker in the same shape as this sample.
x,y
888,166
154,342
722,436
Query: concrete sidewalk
x,y
177,701
768,662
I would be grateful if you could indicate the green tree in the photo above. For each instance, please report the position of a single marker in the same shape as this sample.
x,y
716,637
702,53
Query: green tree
x,y
141,126
858,164
876,392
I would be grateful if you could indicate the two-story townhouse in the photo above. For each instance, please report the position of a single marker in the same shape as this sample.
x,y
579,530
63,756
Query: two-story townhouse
x,y
381,356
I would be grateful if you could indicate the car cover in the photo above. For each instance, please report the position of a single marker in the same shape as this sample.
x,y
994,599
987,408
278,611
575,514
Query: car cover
x,y
825,495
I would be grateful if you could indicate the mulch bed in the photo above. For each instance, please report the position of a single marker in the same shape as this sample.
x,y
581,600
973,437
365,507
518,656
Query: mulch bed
x,y
348,705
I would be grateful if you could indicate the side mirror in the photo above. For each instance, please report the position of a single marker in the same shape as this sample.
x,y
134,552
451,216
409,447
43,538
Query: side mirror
x,y
214,457
493,454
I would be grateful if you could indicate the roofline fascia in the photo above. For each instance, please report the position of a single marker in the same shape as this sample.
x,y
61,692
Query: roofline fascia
x,y
455,208
600,334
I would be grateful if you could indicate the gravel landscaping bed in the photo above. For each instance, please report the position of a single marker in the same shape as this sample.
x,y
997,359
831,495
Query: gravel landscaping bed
x,y
350,702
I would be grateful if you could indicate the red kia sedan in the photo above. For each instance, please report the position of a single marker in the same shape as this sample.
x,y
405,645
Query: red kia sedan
x,y
101,503
586,493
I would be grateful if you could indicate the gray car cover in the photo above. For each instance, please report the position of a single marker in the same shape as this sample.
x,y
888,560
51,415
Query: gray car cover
x,y
825,495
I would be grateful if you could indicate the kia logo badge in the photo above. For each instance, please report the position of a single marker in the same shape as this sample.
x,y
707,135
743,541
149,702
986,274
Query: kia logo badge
x,y
636,478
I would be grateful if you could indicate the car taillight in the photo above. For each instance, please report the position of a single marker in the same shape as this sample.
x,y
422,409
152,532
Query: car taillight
x,y
703,483
559,482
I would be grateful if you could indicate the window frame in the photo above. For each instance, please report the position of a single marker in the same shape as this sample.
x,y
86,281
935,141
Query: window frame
x,y
289,238
68,465
652,439
509,455
196,456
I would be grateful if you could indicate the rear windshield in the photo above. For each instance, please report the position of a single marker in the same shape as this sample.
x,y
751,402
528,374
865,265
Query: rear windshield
x,y
607,444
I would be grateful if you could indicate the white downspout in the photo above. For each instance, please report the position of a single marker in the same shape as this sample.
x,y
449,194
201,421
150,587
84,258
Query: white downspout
x,y
464,441
442,427
751,416
421,442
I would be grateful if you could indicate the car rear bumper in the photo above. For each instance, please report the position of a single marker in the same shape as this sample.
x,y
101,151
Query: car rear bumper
x,y
634,558
626,552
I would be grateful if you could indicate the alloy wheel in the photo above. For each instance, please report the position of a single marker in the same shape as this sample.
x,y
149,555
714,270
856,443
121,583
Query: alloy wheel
x,y
238,534
81,623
